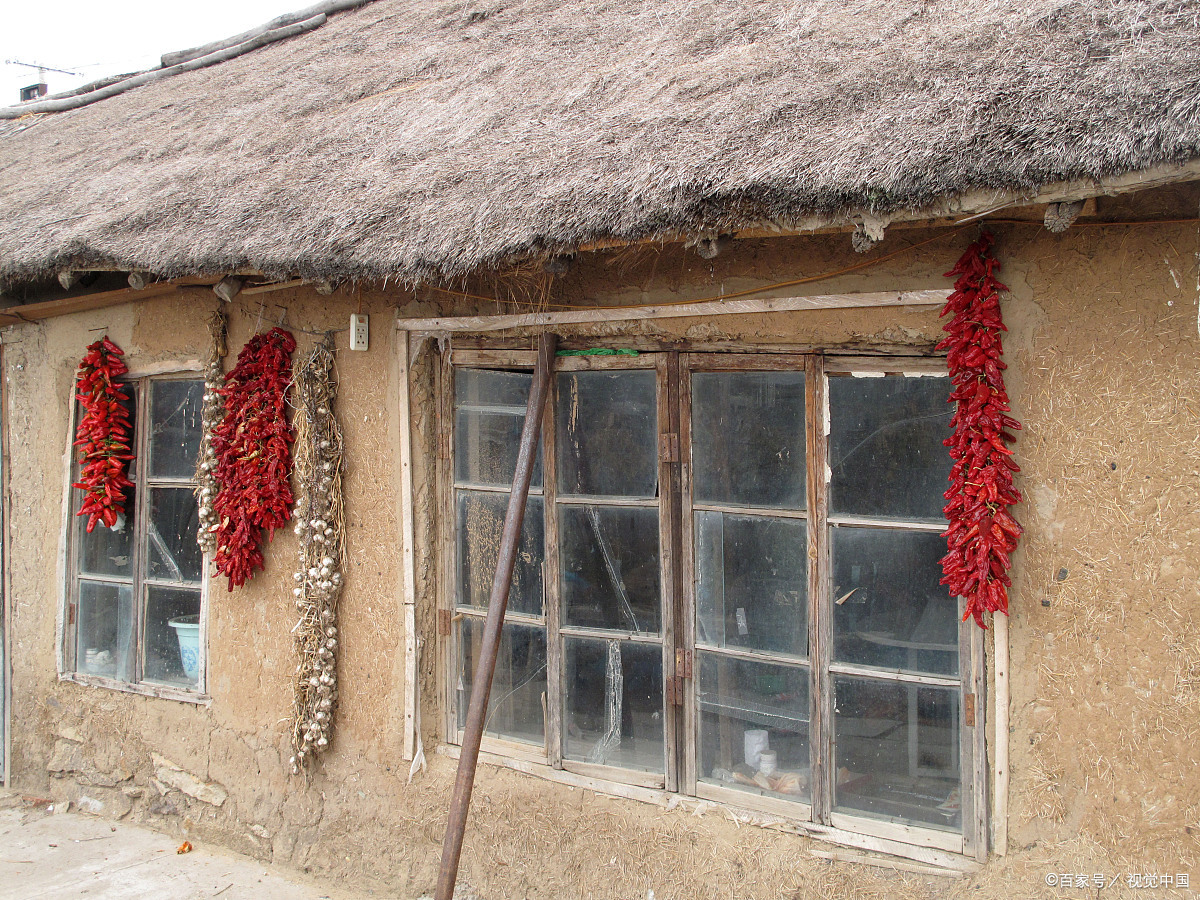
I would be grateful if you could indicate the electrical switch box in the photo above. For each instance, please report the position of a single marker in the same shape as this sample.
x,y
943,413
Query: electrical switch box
x,y
359,332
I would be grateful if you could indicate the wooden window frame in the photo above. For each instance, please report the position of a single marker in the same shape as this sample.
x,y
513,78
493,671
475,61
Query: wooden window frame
x,y
677,548
139,581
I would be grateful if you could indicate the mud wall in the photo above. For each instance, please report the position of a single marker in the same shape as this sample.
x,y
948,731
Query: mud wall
x,y
1106,662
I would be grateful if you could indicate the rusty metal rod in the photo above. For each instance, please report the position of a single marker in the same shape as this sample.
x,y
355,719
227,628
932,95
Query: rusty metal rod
x,y
481,683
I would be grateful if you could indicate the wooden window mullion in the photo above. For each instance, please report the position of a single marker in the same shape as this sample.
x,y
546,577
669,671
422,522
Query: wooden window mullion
x,y
552,581
141,530
676,736
448,535
820,618
973,741
71,626
686,568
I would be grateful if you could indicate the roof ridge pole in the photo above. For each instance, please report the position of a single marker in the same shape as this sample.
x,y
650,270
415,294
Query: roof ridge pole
x,y
481,684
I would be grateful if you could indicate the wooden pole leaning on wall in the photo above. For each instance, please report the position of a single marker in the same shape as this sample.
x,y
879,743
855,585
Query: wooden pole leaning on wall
x,y
481,684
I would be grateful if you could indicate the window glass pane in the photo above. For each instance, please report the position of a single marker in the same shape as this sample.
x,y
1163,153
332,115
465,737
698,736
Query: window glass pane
x,y
175,427
748,438
890,610
607,434
610,567
515,704
486,387
488,421
104,643
480,526
614,703
105,551
486,447
897,752
752,582
172,551
172,636
754,726
885,446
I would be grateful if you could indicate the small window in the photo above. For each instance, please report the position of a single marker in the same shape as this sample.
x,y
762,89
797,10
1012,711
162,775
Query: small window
x,y
135,596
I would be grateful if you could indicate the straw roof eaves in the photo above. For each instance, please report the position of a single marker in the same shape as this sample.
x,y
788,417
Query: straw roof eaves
x,y
422,140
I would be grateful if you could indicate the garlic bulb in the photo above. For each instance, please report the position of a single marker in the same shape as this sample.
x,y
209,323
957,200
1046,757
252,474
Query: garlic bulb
x,y
318,510
212,411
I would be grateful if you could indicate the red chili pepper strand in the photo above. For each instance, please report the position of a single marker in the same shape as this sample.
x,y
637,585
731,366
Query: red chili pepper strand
x,y
103,434
253,450
982,534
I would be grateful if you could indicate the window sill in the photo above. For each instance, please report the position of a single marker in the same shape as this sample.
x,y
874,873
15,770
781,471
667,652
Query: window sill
x,y
954,864
163,692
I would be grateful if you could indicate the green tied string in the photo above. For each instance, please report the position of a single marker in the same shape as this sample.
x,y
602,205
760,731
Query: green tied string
x,y
597,351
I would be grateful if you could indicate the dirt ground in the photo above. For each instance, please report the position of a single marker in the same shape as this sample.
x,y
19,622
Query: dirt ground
x,y
50,852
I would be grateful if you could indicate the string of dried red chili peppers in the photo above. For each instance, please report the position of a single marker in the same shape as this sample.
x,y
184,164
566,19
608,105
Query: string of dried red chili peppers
x,y
253,449
982,533
103,434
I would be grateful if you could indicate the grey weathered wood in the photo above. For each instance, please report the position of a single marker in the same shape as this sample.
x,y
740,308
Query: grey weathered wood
x,y
616,775
979,779
785,822
556,686
893,364
798,810
48,309
880,522
851,856
492,342
898,831
900,676
1000,646
491,359
733,510
689,721
326,8
162,692
408,564
675,738
59,104
682,310
820,634
967,761
447,550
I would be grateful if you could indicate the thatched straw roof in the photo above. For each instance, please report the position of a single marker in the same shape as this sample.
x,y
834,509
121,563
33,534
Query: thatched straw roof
x,y
421,139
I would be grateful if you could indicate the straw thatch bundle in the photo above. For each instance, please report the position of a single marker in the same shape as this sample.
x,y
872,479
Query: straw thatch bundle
x,y
421,139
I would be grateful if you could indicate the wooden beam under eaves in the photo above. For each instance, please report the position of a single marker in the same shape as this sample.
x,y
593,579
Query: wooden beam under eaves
x,y
64,306
584,315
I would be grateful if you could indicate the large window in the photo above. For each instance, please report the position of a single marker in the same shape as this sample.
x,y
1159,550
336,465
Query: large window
x,y
728,584
135,594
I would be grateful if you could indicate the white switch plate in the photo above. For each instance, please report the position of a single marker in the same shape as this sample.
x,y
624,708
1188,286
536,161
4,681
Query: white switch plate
x,y
359,332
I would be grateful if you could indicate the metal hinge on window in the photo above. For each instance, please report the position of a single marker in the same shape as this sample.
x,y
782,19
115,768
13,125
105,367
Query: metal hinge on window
x,y
668,448
675,691
683,663
969,710
71,614
443,622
